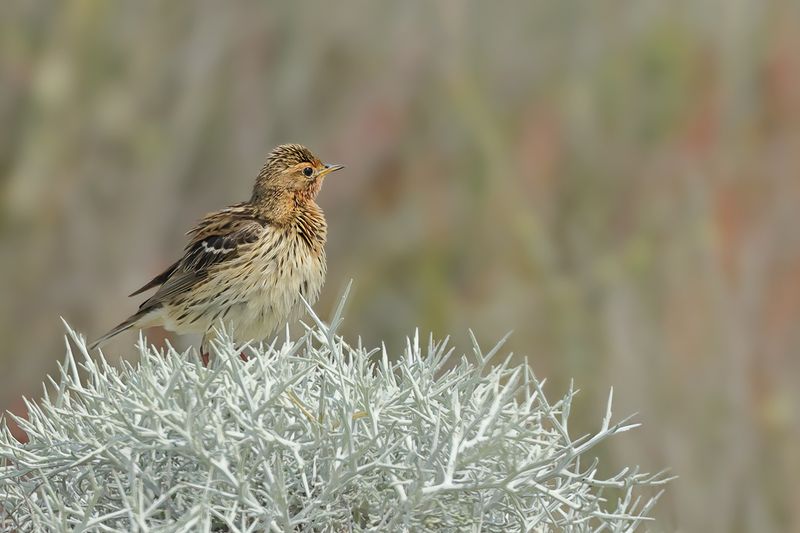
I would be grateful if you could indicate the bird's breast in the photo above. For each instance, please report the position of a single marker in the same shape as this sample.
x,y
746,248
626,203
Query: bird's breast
x,y
283,268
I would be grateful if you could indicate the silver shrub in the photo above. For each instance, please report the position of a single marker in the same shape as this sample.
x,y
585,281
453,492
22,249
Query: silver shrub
x,y
309,435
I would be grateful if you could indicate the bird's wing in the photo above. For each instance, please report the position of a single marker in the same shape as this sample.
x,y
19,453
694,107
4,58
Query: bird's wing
x,y
219,237
158,280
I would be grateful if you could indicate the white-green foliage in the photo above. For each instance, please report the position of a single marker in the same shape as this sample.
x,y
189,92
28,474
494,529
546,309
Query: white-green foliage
x,y
308,435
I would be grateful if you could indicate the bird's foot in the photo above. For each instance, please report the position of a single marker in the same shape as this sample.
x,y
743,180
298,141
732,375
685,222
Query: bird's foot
x,y
204,357
243,356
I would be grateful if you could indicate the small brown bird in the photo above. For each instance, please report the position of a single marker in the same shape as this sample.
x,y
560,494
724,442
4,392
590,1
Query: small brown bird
x,y
247,265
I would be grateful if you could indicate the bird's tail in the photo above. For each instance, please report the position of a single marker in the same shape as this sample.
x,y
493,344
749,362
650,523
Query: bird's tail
x,y
124,326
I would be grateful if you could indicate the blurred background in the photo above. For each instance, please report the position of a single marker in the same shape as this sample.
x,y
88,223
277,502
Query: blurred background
x,y
616,182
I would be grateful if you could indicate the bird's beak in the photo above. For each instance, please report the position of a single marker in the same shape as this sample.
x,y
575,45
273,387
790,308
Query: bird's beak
x,y
328,169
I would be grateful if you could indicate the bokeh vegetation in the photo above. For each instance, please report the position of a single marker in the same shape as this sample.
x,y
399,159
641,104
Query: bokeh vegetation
x,y
617,182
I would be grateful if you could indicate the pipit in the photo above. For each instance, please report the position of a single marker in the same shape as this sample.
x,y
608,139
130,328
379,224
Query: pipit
x,y
246,267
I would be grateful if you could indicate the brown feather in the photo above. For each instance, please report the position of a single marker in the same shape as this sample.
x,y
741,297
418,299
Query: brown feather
x,y
219,237
249,263
158,280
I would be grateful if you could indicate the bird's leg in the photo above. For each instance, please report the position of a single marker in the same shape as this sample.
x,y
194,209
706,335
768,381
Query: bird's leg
x,y
243,356
204,357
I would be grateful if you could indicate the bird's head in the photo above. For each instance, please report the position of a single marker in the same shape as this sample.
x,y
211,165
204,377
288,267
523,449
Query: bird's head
x,y
291,170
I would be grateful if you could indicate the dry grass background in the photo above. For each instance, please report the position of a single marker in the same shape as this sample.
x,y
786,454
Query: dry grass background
x,y
618,182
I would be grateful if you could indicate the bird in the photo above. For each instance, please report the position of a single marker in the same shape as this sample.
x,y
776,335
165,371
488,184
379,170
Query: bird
x,y
246,266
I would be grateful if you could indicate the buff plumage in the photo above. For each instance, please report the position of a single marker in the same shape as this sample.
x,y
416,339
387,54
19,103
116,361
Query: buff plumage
x,y
246,266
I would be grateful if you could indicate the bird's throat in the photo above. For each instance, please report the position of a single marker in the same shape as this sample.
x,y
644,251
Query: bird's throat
x,y
282,206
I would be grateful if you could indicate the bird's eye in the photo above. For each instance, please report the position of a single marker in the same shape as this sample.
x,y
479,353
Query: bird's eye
x,y
308,171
